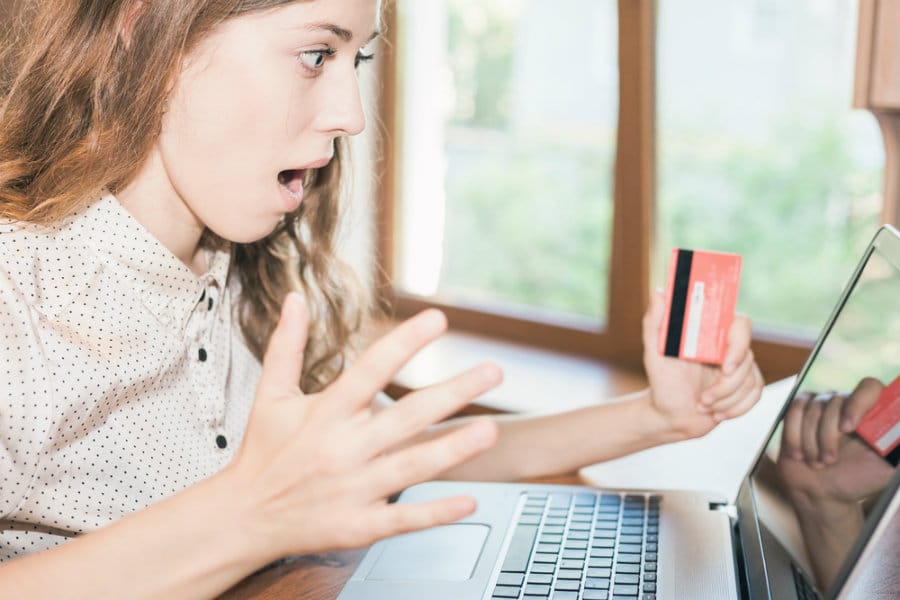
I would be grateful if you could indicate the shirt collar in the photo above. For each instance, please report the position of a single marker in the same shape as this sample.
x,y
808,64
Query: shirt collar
x,y
167,287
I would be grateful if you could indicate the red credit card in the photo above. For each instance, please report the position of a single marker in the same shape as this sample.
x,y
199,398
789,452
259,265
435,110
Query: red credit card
x,y
701,297
880,427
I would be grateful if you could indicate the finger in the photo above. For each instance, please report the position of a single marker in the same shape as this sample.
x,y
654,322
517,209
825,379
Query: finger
x,y
863,398
829,432
746,397
283,360
792,436
394,519
381,361
739,336
721,395
810,434
652,322
421,462
416,411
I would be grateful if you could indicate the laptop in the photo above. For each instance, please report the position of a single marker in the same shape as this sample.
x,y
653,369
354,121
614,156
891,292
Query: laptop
x,y
554,542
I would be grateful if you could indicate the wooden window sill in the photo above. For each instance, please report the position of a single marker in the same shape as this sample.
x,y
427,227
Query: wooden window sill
x,y
535,380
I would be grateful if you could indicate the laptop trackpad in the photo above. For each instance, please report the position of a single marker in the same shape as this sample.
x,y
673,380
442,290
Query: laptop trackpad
x,y
447,553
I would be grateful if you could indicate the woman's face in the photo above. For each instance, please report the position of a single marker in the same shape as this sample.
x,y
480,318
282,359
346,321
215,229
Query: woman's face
x,y
260,101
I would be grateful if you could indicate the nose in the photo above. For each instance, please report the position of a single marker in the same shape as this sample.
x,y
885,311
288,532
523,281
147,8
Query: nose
x,y
341,111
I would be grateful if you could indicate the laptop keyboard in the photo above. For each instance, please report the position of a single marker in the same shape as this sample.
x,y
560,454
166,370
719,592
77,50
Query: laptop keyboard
x,y
589,546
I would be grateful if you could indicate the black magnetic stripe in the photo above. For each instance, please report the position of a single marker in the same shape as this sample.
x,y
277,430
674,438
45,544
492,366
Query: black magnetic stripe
x,y
679,301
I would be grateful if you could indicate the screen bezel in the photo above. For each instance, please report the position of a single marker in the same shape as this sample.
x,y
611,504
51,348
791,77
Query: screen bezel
x,y
762,576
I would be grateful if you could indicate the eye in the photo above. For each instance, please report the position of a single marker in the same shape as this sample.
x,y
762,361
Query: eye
x,y
361,58
314,60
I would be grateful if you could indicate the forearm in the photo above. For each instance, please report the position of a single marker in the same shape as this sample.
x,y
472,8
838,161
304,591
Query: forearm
x,y
560,443
191,545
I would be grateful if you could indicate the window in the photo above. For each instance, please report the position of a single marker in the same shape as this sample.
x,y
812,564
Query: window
x,y
539,151
509,120
758,138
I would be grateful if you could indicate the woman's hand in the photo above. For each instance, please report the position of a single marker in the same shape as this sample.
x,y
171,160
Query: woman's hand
x,y
313,467
692,398
820,457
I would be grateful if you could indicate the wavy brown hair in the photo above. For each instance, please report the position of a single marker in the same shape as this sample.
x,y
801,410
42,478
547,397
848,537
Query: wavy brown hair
x,y
79,113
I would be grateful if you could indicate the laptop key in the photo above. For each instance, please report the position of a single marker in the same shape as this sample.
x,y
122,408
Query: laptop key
x,y
600,563
575,554
567,585
625,590
629,549
561,595
649,597
626,579
540,578
595,595
649,587
537,590
560,500
601,552
576,544
631,539
542,557
650,567
542,568
569,574
506,591
530,520
650,557
571,564
649,576
628,568
520,548
597,583
602,573
629,558
551,538
513,579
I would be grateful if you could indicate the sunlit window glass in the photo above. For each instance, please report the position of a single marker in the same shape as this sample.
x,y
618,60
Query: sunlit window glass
x,y
760,152
507,124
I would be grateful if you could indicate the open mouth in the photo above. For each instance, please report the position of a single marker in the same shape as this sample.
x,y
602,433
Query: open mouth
x,y
292,181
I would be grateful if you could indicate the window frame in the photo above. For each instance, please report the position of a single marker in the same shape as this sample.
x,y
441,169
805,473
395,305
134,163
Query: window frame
x,y
633,226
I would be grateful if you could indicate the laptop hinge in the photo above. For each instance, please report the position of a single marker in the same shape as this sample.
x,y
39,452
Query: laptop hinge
x,y
728,509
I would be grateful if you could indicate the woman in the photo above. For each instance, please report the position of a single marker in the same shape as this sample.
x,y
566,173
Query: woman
x,y
168,175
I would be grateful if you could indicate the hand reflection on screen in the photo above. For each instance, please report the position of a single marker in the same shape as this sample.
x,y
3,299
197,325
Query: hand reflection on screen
x,y
828,471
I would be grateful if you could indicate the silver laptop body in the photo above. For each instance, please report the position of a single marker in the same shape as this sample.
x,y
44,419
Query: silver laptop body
x,y
703,546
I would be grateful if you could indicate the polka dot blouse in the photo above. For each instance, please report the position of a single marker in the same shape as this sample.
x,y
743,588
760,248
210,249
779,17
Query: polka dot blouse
x,y
125,375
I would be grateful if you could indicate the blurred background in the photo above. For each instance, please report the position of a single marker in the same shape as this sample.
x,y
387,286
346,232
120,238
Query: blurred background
x,y
542,159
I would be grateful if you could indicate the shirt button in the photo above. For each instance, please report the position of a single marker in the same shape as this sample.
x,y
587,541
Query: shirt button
x,y
221,442
201,354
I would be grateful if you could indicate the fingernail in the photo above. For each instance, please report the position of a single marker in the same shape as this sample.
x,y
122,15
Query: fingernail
x,y
847,425
718,417
829,457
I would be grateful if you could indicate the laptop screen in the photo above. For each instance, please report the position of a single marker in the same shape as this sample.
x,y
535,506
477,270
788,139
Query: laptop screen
x,y
835,450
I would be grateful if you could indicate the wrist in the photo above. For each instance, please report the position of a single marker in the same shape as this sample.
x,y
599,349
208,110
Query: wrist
x,y
252,538
657,426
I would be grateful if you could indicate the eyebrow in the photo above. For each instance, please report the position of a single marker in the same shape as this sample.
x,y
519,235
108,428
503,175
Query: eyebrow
x,y
340,32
